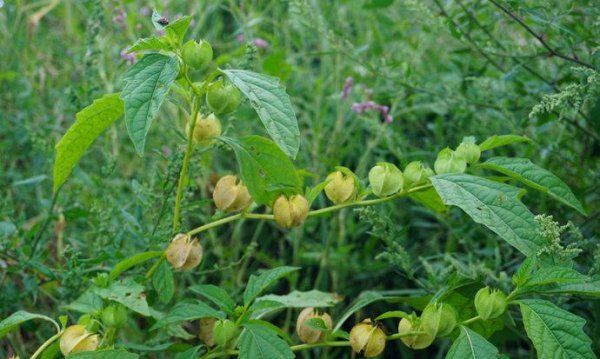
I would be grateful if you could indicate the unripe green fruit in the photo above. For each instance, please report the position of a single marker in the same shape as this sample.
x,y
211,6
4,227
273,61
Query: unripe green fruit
x,y
449,161
367,338
385,179
469,151
206,128
184,253
114,316
197,54
229,195
490,304
415,173
290,212
222,97
77,339
341,187
417,341
224,331
307,334
439,319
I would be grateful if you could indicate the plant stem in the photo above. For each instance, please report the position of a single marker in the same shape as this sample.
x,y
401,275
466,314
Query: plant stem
x,y
316,212
46,344
471,320
299,347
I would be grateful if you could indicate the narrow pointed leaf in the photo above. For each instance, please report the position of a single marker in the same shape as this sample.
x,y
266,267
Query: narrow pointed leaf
x,y
258,284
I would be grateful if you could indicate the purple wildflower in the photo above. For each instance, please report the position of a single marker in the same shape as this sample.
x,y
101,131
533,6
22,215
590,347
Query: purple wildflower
x,y
347,87
128,57
260,43
160,32
241,38
145,11
120,17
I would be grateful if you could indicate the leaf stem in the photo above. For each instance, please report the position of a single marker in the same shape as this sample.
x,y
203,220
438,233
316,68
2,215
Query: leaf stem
x,y
471,320
46,344
264,216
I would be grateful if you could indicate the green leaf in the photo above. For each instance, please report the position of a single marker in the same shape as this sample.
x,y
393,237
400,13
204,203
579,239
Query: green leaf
x,y
259,342
186,311
430,199
17,318
191,353
555,275
271,102
147,85
501,140
297,299
90,123
523,170
362,301
127,292
554,332
178,28
264,168
88,302
258,284
163,282
316,323
132,261
377,4
392,314
104,354
148,44
589,288
493,204
470,345
215,295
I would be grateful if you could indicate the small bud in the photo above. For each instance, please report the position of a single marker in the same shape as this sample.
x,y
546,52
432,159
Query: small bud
x,y
415,173
307,334
449,161
184,253
229,195
490,304
367,338
77,339
469,151
417,341
439,319
114,316
341,187
205,332
197,54
385,179
222,97
290,212
224,331
206,128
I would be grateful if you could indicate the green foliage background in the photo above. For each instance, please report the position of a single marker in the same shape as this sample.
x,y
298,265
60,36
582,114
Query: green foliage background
x,y
448,69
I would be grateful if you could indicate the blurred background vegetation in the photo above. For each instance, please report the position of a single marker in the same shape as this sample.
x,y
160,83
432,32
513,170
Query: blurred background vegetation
x,y
445,68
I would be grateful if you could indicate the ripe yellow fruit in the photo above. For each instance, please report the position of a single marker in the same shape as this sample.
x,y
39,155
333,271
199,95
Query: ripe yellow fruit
x,y
290,212
367,338
307,334
206,128
205,332
231,195
184,253
77,339
340,187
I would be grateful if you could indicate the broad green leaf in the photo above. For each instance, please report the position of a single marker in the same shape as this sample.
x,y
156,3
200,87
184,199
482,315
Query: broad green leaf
x,y
104,354
316,323
88,302
589,288
148,44
297,299
430,199
147,84
259,342
216,295
554,332
271,102
17,318
178,28
191,353
555,275
470,345
493,204
392,314
264,168
163,282
258,284
132,261
186,311
501,140
362,301
523,170
127,292
89,124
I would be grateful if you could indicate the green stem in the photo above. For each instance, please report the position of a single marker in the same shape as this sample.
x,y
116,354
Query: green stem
x,y
316,212
46,345
154,266
471,320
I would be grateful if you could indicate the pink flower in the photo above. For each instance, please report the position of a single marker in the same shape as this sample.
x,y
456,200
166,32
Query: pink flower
x,y
347,87
241,38
145,11
128,57
260,43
